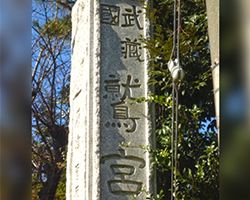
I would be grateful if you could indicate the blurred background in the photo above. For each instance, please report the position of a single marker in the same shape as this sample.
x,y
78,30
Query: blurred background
x,y
235,104
15,90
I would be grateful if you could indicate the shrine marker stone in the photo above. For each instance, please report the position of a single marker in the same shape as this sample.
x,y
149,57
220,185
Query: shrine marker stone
x,y
109,130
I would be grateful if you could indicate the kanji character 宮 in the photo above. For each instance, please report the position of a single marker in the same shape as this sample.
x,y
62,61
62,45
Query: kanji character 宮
x,y
124,169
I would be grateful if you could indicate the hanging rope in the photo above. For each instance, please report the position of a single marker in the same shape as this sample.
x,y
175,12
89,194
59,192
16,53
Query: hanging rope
x,y
174,140
174,33
177,75
178,30
172,145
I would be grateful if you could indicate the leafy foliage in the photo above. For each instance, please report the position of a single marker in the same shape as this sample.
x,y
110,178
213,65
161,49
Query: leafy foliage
x,y
58,27
197,145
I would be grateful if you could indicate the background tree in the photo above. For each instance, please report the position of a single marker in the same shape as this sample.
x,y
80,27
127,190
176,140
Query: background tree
x,y
50,97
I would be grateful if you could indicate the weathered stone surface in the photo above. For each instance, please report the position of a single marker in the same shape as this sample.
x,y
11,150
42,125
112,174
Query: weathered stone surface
x,y
109,131
213,8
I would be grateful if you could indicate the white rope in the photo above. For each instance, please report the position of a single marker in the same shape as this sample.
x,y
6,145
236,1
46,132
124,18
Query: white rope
x,y
178,30
174,32
177,74
176,138
172,144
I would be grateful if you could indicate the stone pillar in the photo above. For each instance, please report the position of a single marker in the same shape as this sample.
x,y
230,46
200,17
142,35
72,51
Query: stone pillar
x,y
213,7
109,131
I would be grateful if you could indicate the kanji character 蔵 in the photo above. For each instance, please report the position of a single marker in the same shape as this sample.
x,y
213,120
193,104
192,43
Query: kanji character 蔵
x,y
131,49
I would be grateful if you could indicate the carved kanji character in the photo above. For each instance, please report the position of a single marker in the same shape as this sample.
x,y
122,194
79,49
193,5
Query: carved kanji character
x,y
121,111
112,86
110,14
131,49
131,17
127,88
124,167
